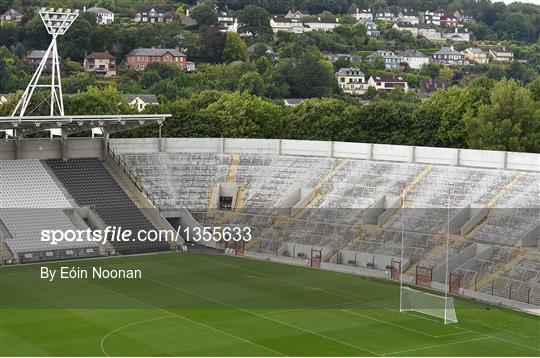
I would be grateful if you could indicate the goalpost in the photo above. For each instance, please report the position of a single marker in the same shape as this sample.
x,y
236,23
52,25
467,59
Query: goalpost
x,y
420,301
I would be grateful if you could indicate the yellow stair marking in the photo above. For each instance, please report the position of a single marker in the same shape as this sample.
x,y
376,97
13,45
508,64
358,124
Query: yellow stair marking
x,y
441,236
319,194
279,220
500,272
505,189
233,167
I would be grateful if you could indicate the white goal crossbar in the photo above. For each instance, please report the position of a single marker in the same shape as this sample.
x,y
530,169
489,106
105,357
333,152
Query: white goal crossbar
x,y
428,303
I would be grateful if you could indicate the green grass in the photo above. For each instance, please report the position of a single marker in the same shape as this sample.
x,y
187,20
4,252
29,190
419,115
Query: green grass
x,y
209,305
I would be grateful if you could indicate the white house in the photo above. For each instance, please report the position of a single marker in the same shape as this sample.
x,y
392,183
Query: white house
x,y
297,14
321,24
140,101
363,14
406,26
3,98
387,83
279,23
372,28
501,54
103,16
474,54
384,15
352,80
430,33
431,17
415,59
228,22
408,15
458,35
448,56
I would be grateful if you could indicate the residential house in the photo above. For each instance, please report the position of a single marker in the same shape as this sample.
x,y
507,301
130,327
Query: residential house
x,y
3,98
430,32
292,102
475,54
384,15
11,16
297,14
333,57
501,54
448,56
450,20
415,59
34,57
387,83
140,101
363,14
190,67
458,35
321,24
187,20
391,61
408,15
431,17
269,51
100,63
427,87
406,26
154,16
352,81
228,22
372,29
141,57
463,15
103,16
279,23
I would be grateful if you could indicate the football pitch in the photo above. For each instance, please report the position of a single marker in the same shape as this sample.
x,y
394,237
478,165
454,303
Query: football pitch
x,y
215,305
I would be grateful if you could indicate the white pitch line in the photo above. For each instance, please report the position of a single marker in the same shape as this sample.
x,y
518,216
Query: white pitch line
x,y
400,326
262,316
127,326
437,346
534,349
187,319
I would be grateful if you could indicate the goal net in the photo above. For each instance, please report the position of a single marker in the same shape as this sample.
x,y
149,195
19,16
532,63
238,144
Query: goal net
x,y
428,303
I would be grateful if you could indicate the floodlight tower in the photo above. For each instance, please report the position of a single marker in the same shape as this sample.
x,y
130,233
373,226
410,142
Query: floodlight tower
x,y
57,22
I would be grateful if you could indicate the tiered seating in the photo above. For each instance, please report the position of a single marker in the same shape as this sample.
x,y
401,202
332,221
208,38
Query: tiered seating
x,y
347,190
179,180
30,201
91,184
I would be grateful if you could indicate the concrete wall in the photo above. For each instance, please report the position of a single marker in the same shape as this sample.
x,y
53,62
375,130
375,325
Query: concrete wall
x,y
362,258
396,153
46,148
470,253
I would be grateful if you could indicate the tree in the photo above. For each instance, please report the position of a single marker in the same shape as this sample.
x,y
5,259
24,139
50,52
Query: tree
x,y
213,42
323,119
241,115
205,15
511,121
431,70
439,121
234,49
313,78
252,83
98,101
255,20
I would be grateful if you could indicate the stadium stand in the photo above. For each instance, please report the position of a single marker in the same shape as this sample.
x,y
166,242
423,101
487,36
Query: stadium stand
x,y
91,184
31,201
344,191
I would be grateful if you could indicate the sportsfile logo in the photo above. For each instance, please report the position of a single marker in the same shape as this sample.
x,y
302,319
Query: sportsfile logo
x,y
118,234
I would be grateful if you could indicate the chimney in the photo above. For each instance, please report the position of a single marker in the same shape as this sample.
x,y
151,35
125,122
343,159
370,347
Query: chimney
x,y
84,9
187,12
